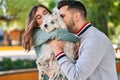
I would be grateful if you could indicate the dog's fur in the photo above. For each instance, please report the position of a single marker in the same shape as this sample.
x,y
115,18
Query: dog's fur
x,y
46,60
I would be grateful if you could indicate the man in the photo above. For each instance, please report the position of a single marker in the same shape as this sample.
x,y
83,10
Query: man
x,y
96,60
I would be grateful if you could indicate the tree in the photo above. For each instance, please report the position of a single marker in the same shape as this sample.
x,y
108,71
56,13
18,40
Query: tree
x,y
105,16
49,3
102,14
18,10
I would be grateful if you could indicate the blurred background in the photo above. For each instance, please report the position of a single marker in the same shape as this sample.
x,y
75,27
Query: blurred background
x,y
15,63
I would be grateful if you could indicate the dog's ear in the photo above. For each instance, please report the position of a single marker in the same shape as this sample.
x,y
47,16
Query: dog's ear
x,y
55,13
59,20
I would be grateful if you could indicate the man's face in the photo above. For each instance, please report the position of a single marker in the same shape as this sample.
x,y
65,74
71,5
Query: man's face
x,y
67,17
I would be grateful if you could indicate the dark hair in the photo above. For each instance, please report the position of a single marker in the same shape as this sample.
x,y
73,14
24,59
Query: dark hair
x,y
31,25
72,4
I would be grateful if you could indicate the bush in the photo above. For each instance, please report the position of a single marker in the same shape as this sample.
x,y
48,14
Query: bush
x,y
8,64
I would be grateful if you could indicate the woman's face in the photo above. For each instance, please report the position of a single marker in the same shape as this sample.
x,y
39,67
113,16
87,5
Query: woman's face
x,y
40,12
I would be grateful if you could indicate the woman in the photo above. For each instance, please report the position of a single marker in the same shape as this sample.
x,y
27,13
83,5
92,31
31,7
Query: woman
x,y
32,34
34,19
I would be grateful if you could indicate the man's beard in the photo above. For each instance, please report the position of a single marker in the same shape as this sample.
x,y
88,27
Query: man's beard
x,y
70,26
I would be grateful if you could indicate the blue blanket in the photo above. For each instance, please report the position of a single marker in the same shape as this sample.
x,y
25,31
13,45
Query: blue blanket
x,y
41,37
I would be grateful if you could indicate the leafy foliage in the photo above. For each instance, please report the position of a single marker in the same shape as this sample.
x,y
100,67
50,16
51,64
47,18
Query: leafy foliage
x,y
105,16
100,13
20,9
8,64
50,4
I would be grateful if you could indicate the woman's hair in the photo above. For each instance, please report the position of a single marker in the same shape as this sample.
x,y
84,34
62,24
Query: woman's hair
x,y
31,25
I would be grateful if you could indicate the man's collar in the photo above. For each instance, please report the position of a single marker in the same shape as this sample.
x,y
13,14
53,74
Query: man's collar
x,y
83,28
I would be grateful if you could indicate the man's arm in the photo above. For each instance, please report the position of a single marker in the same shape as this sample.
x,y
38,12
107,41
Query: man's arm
x,y
87,62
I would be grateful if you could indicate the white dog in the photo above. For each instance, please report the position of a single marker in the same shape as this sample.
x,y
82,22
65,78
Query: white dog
x,y
46,61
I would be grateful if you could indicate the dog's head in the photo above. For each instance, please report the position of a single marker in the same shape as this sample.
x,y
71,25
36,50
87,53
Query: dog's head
x,y
51,22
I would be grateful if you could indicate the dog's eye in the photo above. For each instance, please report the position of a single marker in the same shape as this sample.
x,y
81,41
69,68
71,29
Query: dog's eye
x,y
52,22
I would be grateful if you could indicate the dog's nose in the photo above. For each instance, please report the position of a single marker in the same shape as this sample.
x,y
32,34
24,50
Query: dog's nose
x,y
46,25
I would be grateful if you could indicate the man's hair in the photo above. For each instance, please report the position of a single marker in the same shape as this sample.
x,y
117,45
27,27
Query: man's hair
x,y
73,5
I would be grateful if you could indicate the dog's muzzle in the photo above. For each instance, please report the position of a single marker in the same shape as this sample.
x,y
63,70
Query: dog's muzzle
x,y
45,25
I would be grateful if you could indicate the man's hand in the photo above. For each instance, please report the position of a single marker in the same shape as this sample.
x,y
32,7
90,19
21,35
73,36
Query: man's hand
x,y
56,46
76,48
